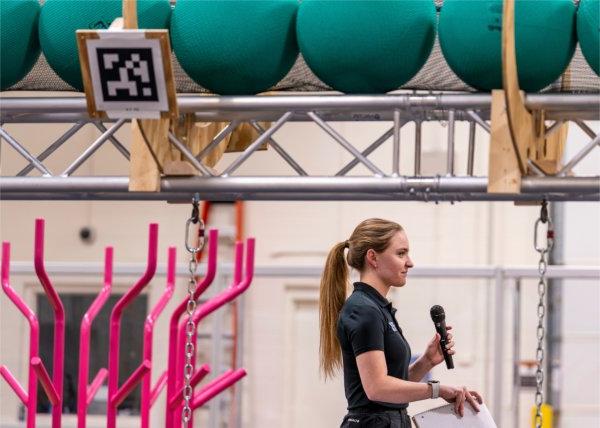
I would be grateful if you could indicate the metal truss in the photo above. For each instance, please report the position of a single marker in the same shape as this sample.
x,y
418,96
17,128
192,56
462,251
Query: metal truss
x,y
381,184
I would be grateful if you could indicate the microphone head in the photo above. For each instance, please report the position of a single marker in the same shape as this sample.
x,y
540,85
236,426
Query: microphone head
x,y
437,313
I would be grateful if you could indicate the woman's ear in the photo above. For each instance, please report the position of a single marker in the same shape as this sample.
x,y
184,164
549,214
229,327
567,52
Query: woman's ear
x,y
371,257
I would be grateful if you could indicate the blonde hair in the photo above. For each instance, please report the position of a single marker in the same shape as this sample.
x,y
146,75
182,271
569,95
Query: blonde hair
x,y
373,233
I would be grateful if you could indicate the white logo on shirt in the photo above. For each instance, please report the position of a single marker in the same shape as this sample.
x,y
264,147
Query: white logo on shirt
x,y
391,323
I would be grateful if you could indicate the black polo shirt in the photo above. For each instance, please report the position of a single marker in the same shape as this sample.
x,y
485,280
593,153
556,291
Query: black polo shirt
x,y
367,323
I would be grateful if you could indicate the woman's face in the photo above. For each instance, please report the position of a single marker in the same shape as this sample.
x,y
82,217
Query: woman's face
x,y
393,263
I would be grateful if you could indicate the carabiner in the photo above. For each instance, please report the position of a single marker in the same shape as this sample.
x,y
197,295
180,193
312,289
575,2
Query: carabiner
x,y
195,220
549,236
200,235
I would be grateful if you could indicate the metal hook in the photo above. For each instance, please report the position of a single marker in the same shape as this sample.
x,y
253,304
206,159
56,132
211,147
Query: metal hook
x,y
196,220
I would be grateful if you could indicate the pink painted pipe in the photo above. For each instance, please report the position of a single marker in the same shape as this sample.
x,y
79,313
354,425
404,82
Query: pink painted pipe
x,y
177,399
14,384
29,399
131,382
96,383
115,330
85,394
236,288
221,383
45,380
179,376
234,291
160,384
211,269
148,330
59,321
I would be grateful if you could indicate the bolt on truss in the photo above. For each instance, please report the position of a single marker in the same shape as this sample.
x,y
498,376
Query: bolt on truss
x,y
381,184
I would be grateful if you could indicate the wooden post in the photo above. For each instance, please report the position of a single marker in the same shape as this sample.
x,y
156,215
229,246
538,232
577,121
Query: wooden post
x,y
520,120
504,175
526,130
149,136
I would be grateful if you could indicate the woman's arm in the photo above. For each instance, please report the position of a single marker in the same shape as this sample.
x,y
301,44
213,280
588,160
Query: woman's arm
x,y
419,369
380,387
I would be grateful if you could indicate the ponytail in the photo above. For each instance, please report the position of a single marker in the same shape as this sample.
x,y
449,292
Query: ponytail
x,y
331,299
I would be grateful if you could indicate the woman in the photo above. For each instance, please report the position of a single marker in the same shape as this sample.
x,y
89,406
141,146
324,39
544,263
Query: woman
x,y
362,335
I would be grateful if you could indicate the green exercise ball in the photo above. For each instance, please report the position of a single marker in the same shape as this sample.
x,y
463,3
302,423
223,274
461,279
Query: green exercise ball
x,y
470,37
588,32
60,19
366,46
235,46
19,43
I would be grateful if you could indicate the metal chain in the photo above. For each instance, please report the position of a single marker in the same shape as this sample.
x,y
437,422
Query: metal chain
x,y
190,327
544,250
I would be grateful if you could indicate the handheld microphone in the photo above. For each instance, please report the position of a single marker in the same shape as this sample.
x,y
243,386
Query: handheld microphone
x,y
439,320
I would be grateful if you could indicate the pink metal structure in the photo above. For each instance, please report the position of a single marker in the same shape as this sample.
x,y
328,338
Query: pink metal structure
x,y
85,393
37,371
181,339
116,395
217,386
55,387
29,398
228,378
149,394
172,378
173,393
237,287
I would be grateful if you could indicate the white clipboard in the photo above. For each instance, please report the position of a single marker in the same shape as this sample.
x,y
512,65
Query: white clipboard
x,y
444,417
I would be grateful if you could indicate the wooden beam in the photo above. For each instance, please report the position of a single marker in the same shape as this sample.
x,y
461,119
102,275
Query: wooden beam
x,y
504,174
520,120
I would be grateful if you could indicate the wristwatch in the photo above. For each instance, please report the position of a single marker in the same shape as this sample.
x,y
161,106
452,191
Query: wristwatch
x,y
435,388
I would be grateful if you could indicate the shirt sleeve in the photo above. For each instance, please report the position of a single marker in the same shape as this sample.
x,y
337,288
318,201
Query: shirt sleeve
x,y
365,330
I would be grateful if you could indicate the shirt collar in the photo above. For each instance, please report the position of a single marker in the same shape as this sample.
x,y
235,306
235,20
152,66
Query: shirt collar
x,y
374,294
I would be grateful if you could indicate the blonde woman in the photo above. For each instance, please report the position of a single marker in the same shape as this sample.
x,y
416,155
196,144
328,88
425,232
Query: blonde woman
x,y
361,333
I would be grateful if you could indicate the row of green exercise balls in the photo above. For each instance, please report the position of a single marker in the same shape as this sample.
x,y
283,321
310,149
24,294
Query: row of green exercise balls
x,y
354,46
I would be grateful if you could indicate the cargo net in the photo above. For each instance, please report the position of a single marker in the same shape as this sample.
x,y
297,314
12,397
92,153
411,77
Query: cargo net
x,y
435,76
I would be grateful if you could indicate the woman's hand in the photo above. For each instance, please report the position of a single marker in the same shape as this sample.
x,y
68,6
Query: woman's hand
x,y
433,353
458,396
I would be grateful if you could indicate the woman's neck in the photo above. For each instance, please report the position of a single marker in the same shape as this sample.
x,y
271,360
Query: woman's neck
x,y
376,283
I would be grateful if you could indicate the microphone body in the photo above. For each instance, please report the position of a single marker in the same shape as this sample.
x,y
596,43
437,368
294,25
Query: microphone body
x,y
439,321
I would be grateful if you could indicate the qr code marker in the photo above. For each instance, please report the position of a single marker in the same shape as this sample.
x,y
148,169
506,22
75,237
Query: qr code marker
x,y
127,74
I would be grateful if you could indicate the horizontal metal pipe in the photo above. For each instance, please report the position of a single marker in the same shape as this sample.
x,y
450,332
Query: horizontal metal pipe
x,y
194,103
298,188
566,184
315,197
421,114
22,268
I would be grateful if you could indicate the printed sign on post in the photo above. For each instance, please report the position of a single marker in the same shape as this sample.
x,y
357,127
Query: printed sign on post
x,y
127,73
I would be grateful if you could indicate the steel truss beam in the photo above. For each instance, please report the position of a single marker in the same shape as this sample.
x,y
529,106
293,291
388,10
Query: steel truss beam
x,y
384,184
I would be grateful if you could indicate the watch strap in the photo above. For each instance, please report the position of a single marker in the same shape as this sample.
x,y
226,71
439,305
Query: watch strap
x,y
435,388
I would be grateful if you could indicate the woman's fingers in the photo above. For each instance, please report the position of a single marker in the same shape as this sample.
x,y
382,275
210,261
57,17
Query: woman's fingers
x,y
473,401
460,402
449,345
477,396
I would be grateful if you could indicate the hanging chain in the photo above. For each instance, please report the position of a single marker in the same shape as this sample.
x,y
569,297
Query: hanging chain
x,y
190,328
544,249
